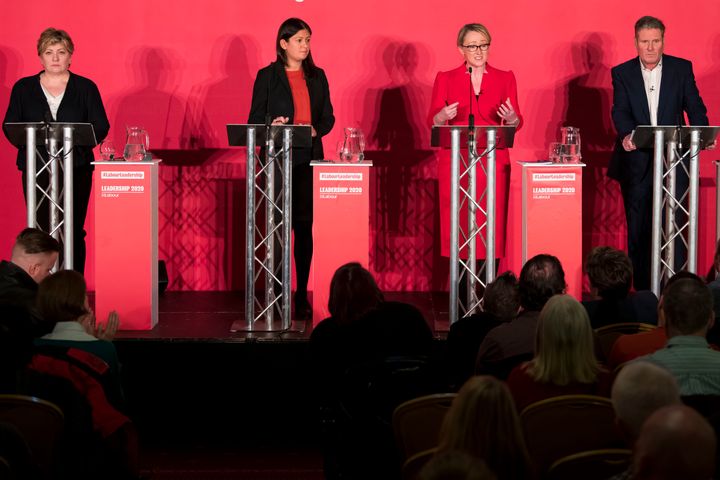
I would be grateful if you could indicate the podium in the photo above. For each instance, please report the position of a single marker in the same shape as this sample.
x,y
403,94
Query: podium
x,y
552,216
481,142
268,222
126,242
341,225
58,139
673,212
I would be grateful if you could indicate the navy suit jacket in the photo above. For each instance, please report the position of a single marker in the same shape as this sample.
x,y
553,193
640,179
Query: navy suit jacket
x,y
678,94
272,95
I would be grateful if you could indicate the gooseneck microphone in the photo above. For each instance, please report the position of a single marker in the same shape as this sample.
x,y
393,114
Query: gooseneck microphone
x,y
471,116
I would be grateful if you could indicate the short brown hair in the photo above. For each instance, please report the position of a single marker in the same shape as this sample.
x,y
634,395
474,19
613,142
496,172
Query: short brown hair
x,y
502,297
610,272
61,297
649,22
51,36
33,241
472,27
688,306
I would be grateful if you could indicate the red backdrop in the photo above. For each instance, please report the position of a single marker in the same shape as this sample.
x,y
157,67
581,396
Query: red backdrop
x,y
184,69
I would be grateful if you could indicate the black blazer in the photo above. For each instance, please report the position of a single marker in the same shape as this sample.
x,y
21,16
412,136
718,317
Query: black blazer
x,y
272,95
81,103
678,94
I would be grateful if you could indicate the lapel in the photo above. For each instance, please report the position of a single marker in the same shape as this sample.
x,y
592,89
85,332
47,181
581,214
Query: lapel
x,y
667,86
637,85
282,76
311,86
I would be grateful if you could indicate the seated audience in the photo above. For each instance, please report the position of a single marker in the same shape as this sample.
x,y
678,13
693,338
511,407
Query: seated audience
x,y
610,273
500,304
455,465
512,343
687,309
675,442
33,256
484,423
564,362
714,285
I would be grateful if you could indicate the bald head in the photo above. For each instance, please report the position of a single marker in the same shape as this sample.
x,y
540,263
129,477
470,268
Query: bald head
x,y
640,389
675,442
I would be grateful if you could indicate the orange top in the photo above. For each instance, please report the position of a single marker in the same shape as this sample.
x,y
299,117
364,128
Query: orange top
x,y
301,97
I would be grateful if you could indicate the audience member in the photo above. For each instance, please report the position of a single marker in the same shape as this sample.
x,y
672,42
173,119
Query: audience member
x,y
500,304
484,423
564,362
675,443
714,283
455,465
687,309
631,346
512,343
610,273
33,256
640,389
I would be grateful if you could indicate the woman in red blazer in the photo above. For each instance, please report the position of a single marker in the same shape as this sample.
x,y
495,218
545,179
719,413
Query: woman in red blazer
x,y
491,95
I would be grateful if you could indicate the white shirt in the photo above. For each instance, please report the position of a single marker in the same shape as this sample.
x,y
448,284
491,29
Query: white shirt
x,y
69,331
53,102
652,79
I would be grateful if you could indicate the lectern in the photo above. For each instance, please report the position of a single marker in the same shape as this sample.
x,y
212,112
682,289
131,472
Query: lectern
x,y
57,139
680,207
481,142
268,222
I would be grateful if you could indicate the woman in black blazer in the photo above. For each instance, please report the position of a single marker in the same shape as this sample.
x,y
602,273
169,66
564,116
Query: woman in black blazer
x,y
58,95
293,90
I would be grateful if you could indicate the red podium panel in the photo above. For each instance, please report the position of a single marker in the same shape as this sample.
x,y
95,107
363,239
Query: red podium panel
x,y
126,247
341,224
552,217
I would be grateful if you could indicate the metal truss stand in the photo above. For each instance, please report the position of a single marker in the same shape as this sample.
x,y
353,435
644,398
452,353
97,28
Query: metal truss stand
x,y
679,207
57,140
465,199
268,224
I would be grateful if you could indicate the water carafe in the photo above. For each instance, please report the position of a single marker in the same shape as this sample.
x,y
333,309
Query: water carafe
x,y
137,144
570,145
351,148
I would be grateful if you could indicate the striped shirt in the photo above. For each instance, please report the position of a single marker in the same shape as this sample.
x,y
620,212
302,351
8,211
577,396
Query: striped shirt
x,y
695,366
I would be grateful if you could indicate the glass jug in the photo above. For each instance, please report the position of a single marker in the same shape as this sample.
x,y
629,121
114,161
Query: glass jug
x,y
570,140
351,148
137,144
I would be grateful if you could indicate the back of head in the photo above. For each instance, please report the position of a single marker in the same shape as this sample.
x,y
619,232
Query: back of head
x,y
353,292
687,307
540,278
610,272
35,252
675,443
62,297
502,298
455,465
640,389
484,423
564,344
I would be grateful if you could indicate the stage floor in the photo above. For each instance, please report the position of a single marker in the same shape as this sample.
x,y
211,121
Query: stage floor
x,y
208,317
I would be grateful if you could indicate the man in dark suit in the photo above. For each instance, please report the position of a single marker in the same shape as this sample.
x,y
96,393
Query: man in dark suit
x,y
651,89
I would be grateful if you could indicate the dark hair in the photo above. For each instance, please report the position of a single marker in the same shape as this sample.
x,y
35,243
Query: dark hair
x,y
32,240
610,272
288,29
61,297
502,298
353,292
649,22
688,306
540,278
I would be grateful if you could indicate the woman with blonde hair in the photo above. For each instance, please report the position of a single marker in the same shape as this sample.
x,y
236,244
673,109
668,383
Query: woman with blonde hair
x,y
484,423
565,361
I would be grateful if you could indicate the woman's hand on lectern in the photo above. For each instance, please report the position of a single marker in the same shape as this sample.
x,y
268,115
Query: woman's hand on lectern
x,y
280,121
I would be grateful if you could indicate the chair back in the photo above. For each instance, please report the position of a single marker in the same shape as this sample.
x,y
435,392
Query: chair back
x,y
39,422
557,427
413,465
609,333
591,465
417,422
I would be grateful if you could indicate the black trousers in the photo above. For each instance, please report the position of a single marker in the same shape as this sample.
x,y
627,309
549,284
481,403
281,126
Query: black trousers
x,y
82,186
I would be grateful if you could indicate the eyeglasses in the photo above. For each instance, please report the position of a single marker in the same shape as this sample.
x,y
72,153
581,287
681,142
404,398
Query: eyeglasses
x,y
472,48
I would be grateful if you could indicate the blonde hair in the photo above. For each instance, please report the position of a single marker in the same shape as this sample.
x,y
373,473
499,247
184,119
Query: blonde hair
x,y
51,36
472,27
484,423
564,346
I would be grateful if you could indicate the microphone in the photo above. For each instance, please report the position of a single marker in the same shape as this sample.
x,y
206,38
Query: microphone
x,y
47,120
679,127
471,116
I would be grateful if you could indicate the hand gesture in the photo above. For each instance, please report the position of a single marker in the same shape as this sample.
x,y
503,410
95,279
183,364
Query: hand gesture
x,y
448,112
628,144
712,145
108,330
506,111
280,121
